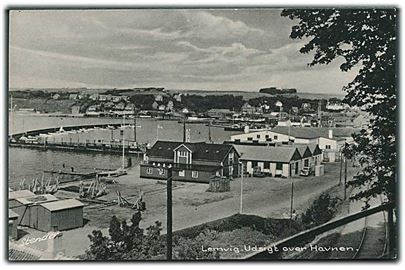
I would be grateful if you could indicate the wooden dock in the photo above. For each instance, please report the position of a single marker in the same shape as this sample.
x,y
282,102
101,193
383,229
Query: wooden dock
x,y
82,174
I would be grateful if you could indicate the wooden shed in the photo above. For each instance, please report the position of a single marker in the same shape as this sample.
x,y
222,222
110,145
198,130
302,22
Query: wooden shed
x,y
14,195
12,224
60,215
27,208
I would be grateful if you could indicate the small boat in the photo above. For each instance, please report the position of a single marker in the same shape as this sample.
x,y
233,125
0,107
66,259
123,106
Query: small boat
x,y
115,173
234,128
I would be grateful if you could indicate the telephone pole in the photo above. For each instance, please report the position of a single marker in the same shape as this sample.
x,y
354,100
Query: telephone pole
x,y
341,168
134,126
169,219
292,202
241,191
209,132
345,177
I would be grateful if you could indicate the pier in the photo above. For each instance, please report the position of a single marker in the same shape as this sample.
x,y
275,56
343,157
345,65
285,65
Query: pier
x,y
80,147
112,147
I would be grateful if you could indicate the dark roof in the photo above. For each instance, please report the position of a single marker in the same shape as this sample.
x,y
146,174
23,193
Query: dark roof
x,y
314,148
314,132
271,153
18,252
200,150
304,151
17,255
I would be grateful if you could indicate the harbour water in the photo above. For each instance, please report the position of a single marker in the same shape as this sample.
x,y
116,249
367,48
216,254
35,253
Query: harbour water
x,y
30,163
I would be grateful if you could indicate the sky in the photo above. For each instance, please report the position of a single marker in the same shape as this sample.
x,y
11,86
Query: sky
x,y
200,49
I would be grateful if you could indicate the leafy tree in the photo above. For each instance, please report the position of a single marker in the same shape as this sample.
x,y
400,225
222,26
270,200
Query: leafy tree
x,y
126,241
366,39
196,248
321,210
203,104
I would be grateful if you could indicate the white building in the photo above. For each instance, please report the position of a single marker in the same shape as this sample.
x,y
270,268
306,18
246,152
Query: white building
x,y
330,140
275,161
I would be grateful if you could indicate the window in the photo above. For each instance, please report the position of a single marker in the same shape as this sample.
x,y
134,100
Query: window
x,y
306,163
275,137
250,138
149,170
267,165
194,174
327,146
183,154
267,136
182,173
230,157
279,166
258,136
161,171
254,164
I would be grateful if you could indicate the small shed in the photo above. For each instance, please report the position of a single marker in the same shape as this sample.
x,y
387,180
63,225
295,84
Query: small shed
x,y
60,215
219,184
27,208
13,195
12,224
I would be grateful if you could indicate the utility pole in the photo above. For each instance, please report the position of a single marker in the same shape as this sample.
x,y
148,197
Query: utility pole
x,y
292,202
345,177
123,142
169,219
241,191
134,126
320,113
289,126
341,167
209,132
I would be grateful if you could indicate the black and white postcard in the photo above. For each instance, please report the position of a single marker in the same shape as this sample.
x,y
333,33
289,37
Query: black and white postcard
x,y
202,134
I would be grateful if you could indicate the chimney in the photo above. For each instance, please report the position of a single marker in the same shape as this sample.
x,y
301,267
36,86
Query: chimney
x,y
330,133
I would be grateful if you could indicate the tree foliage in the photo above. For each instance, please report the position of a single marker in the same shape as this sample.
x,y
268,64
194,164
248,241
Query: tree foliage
x,y
196,248
322,210
365,39
202,104
126,241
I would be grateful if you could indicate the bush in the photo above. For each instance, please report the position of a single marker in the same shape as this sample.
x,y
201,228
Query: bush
x,y
322,210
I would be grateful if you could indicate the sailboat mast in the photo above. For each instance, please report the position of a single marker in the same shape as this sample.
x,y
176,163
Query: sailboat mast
x,y
184,129
134,126
123,142
209,132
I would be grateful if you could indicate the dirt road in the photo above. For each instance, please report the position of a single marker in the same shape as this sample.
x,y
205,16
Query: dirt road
x,y
192,205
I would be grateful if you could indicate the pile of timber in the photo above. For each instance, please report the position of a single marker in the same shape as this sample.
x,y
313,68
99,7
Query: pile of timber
x,y
94,190
219,184
139,204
